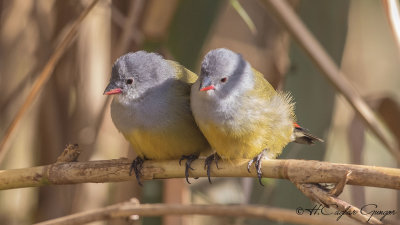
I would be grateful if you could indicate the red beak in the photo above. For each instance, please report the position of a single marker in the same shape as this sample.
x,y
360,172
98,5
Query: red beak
x,y
113,91
211,87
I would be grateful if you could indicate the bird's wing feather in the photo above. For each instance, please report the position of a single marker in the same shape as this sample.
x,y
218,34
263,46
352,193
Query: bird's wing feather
x,y
182,73
262,86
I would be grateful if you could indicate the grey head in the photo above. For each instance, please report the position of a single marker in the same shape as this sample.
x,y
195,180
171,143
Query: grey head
x,y
134,74
224,72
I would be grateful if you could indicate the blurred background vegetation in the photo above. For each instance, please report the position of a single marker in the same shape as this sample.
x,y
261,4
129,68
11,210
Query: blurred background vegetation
x,y
72,109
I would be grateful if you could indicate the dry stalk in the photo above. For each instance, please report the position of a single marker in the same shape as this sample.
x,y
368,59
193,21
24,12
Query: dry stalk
x,y
286,15
317,194
67,171
42,79
126,209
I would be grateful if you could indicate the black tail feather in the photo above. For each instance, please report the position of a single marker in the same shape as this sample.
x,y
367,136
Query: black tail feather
x,y
302,136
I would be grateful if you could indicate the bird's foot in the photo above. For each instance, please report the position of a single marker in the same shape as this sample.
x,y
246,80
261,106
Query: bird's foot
x,y
207,164
257,163
189,160
137,166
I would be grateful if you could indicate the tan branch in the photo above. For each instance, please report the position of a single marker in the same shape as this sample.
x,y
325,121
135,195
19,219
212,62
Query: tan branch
x,y
324,62
315,193
127,209
70,154
299,171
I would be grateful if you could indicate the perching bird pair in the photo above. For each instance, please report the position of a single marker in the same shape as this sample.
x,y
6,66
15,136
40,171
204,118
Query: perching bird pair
x,y
166,114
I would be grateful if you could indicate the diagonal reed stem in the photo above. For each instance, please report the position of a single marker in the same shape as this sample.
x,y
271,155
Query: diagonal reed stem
x,y
324,62
42,79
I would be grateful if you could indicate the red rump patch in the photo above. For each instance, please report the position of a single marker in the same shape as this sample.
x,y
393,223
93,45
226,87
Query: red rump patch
x,y
296,125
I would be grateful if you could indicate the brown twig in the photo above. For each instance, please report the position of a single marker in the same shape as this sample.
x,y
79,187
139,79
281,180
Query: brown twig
x,y
324,62
298,171
42,79
338,189
70,154
321,196
127,209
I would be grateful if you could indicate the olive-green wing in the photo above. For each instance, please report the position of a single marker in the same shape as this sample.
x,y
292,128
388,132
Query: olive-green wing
x,y
183,74
262,86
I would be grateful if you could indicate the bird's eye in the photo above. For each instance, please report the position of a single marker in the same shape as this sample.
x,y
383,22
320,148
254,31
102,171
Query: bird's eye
x,y
129,81
224,79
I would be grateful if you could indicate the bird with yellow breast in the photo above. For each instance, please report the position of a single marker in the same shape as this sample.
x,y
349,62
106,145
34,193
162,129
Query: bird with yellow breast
x,y
240,113
151,108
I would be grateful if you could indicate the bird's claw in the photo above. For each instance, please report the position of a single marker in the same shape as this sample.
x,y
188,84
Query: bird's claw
x,y
137,166
207,164
189,160
257,164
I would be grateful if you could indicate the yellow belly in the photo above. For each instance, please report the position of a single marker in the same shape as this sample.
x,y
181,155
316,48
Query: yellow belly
x,y
165,144
245,142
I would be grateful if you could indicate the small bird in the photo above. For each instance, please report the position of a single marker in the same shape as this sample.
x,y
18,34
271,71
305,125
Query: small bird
x,y
151,108
240,113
